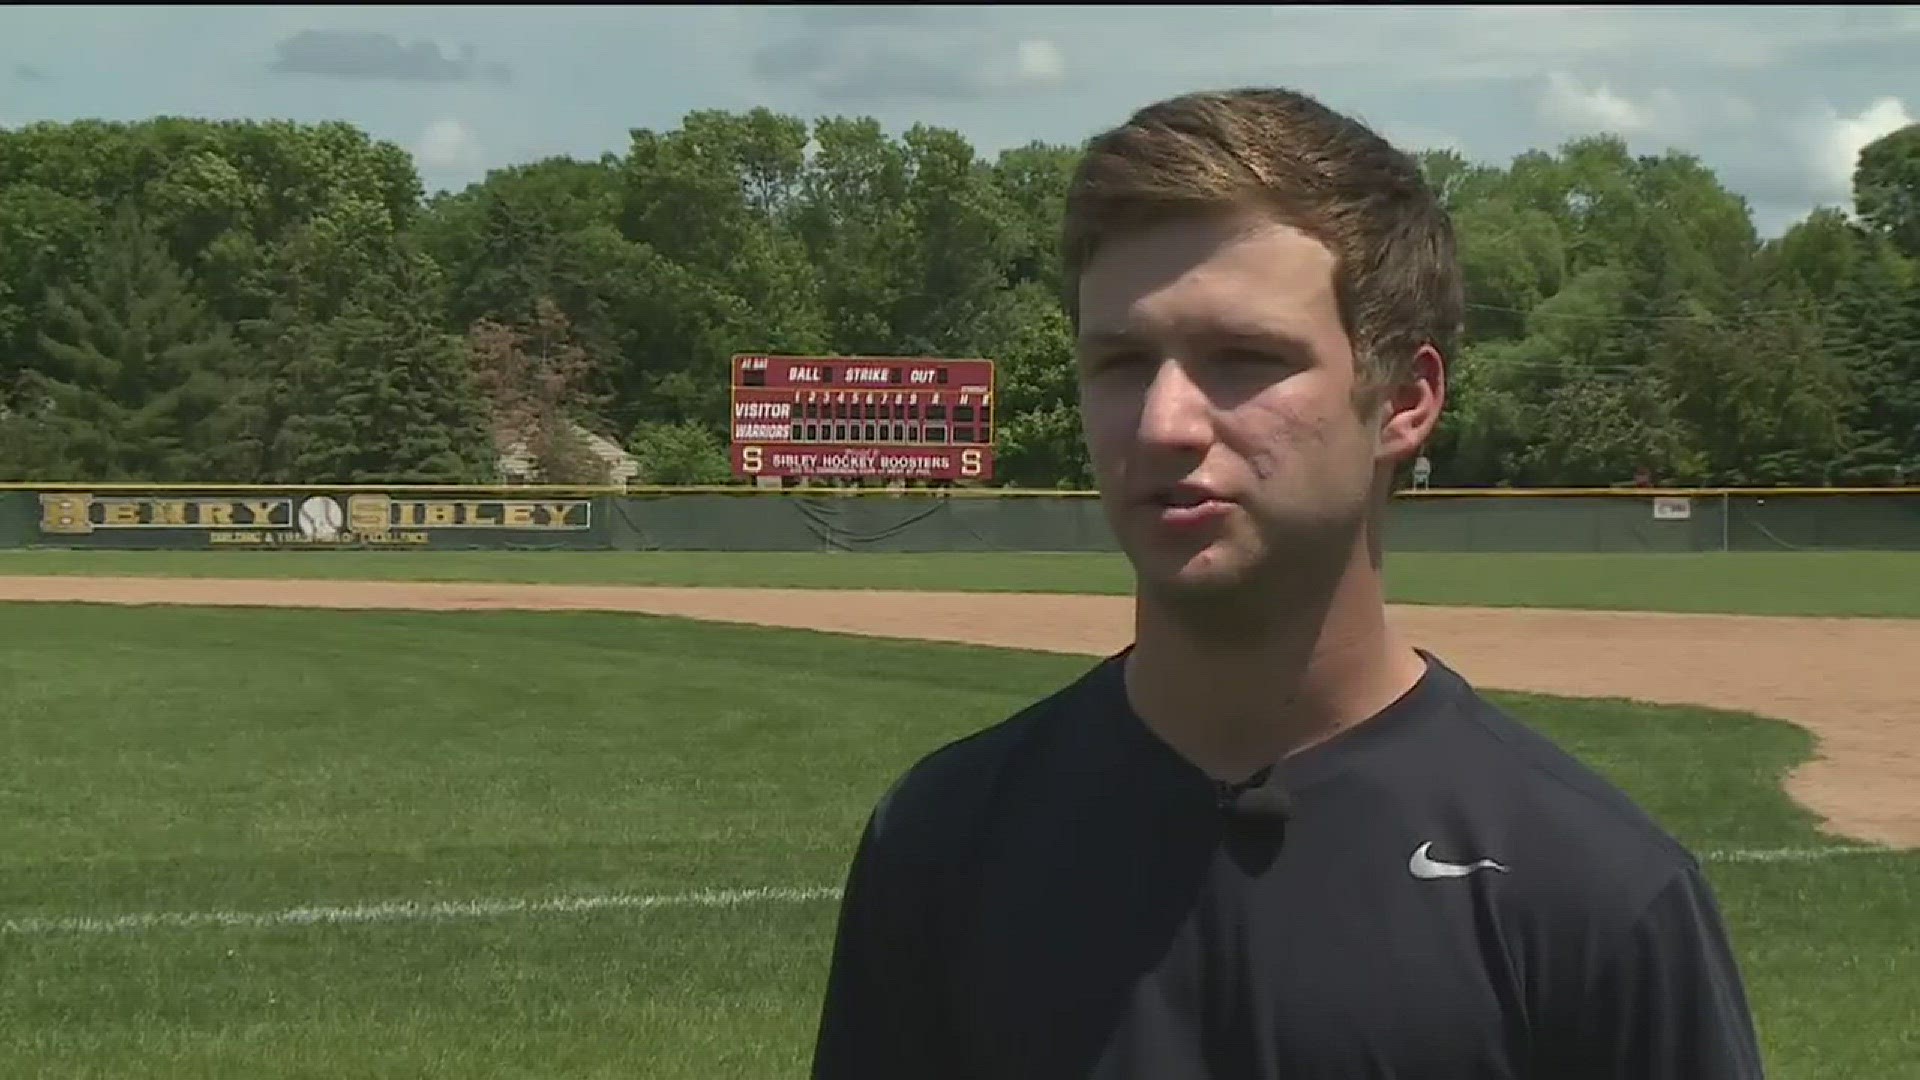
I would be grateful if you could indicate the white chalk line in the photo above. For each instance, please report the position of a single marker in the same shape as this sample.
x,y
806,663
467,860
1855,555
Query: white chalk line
x,y
408,910
449,910
1810,854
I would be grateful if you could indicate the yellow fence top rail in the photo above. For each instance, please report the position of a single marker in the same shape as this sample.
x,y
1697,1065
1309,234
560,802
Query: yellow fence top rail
x,y
529,490
748,491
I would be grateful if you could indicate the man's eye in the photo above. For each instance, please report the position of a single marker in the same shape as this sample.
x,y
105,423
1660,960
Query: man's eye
x,y
1118,360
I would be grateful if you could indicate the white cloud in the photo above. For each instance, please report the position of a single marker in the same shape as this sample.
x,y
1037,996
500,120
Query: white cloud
x,y
868,65
1683,38
1033,63
1837,146
1040,61
1573,106
1518,11
1686,45
1577,109
448,144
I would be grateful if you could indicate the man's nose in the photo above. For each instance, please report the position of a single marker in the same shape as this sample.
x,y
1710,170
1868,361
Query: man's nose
x,y
1175,411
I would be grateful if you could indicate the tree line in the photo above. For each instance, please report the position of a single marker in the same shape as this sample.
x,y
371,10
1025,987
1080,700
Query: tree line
x,y
270,302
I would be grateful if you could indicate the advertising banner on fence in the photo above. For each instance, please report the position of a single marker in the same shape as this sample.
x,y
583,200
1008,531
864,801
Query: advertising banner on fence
x,y
1672,508
186,519
846,462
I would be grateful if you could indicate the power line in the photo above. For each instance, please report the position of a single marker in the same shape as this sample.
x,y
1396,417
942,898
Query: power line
x,y
1706,317
1483,364
1479,362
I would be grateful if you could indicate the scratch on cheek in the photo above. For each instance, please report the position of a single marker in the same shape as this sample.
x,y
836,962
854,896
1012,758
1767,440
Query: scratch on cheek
x,y
1287,430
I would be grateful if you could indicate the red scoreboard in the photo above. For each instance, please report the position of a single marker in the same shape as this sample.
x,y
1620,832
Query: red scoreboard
x,y
891,418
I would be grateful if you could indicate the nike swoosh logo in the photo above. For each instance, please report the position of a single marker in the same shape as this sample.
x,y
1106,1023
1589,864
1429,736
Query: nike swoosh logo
x,y
1425,867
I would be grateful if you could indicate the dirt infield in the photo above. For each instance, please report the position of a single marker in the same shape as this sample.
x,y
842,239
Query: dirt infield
x,y
1843,679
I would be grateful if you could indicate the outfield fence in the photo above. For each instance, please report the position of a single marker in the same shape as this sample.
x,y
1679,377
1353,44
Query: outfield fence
x,y
410,517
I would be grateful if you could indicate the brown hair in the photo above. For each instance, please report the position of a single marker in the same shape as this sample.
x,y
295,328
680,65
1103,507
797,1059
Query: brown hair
x,y
1397,276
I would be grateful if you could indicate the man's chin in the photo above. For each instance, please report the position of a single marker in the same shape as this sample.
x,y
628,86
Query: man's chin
x,y
1209,571
1228,571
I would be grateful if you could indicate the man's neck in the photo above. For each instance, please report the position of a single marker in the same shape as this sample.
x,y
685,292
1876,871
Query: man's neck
x,y
1233,693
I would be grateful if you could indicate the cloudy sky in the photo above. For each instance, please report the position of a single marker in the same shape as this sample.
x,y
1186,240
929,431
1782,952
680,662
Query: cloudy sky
x,y
1776,100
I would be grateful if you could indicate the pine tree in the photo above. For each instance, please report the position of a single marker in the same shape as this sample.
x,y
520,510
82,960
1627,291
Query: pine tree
x,y
386,404
1902,393
381,395
1872,333
137,377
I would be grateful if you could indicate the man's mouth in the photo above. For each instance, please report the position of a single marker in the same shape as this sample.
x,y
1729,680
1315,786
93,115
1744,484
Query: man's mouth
x,y
1186,497
1185,507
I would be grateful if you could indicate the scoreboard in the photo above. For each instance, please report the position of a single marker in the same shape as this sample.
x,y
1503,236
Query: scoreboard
x,y
890,418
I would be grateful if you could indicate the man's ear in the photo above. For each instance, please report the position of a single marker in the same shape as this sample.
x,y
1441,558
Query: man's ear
x,y
1411,408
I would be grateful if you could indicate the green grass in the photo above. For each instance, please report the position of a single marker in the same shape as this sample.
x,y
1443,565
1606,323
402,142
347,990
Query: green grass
x,y
178,760
1882,584
1878,583
968,572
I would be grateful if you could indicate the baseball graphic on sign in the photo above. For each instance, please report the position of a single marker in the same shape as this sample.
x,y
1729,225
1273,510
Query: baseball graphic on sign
x,y
321,518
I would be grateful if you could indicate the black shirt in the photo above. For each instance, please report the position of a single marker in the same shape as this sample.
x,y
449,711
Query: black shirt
x,y
1063,896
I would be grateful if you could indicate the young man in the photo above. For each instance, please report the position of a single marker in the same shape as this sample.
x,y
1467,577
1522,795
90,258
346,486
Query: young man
x,y
1271,838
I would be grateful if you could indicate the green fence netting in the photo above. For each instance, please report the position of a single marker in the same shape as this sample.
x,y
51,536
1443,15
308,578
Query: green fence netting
x,y
235,518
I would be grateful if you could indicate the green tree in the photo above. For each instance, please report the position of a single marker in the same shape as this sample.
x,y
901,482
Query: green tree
x,y
710,208
1601,429
1512,259
136,375
1033,181
1809,264
1036,392
959,243
1763,400
31,449
223,194
543,231
45,238
852,218
1607,293
1874,331
1458,182
380,394
1484,426
1886,188
678,453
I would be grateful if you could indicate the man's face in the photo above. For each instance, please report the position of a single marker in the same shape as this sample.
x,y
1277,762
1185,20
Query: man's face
x,y
1217,396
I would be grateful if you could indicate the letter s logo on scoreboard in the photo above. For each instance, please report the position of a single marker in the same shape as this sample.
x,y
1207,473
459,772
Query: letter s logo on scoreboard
x,y
969,463
752,458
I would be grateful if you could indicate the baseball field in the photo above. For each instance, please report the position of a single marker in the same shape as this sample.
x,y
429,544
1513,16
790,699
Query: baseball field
x,y
377,814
